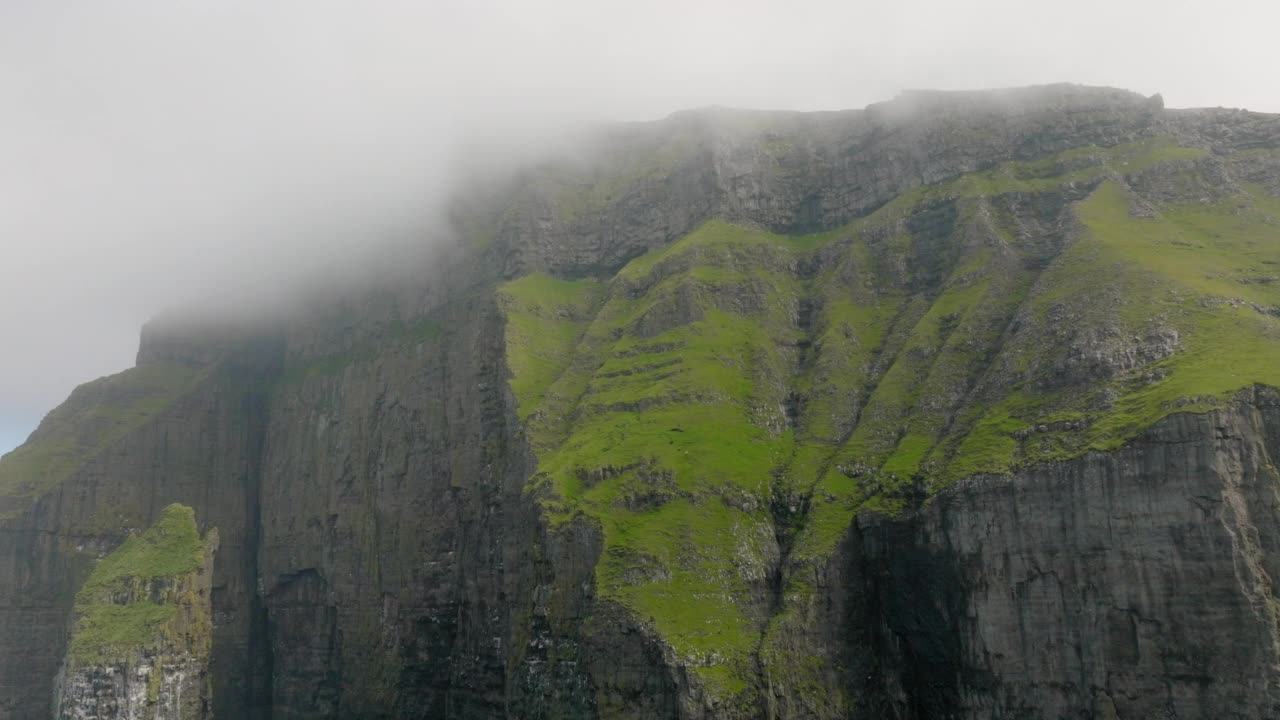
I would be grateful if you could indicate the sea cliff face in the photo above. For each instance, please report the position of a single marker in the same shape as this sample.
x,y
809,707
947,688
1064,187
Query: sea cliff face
x,y
1132,584
959,406
179,433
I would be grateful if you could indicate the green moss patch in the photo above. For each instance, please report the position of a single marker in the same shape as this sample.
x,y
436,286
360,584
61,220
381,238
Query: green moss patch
x,y
106,633
121,610
545,319
170,547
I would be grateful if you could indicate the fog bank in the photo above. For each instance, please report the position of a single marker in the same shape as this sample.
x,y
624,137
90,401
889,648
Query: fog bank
x,y
157,152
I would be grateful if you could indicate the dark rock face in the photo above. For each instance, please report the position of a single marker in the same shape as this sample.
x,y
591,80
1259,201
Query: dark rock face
x,y
389,515
1133,584
381,557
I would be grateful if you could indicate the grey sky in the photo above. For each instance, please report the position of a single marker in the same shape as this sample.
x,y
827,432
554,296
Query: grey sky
x,y
153,152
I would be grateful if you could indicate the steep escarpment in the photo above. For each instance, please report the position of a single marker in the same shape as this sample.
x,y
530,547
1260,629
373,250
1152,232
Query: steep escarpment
x,y
104,465
1137,583
390,510
956,406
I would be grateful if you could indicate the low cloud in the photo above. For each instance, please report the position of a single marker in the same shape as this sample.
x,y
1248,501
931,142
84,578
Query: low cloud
x,y
154,153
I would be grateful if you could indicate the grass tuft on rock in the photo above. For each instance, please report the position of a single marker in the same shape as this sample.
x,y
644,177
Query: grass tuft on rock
x,y
170,547
128,603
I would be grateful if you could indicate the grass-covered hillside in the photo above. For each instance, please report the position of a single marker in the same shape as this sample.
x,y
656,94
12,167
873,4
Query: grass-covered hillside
x,y
96,417
723,408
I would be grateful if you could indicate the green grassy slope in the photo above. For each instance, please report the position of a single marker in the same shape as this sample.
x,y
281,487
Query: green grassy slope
x,y
724,407
96,416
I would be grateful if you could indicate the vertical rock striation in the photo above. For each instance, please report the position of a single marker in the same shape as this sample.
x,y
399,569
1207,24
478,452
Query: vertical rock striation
x,y
1132,584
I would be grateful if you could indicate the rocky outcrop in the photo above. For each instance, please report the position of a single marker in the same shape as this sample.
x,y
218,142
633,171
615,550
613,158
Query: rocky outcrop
x,y
142,635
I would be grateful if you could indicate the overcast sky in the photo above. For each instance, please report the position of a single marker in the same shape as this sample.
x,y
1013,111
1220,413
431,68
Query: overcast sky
x,y
154,152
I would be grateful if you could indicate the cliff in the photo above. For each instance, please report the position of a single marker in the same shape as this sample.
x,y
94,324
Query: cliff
x,y
957,406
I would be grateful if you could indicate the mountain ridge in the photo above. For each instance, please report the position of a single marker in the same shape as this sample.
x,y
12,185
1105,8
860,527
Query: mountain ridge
x,y
703,426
